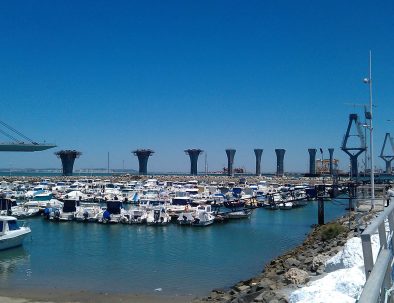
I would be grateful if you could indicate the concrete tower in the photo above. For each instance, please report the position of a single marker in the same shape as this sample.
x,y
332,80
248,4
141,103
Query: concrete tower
x,y
68,157
388,157
143,156
331,151
280,155
357,149
312,161
193,154
230,161
258,153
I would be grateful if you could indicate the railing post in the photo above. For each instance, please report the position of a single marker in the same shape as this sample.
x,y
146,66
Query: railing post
x,y
367,253
382,235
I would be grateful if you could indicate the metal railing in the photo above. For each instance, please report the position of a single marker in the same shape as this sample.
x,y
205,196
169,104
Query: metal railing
x,y
378,274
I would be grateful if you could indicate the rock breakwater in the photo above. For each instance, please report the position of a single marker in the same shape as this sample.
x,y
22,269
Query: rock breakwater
x,y
293,269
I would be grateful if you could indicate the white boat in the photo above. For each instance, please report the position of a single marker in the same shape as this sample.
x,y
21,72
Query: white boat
x,y
157,216
11,235
185,218
87,212
66,213
113,213
286,205
25,210
203,216
240,214
136,216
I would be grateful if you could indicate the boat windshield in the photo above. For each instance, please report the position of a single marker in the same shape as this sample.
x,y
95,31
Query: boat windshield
x,y
13,225
1,226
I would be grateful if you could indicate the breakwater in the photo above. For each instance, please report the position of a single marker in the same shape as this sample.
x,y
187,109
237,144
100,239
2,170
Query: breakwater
x,y
296,267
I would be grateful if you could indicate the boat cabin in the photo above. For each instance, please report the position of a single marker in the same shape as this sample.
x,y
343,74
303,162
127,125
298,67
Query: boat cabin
x,y
8,223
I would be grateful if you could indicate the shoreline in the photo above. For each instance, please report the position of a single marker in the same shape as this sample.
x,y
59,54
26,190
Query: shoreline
x,y
293,269
65,296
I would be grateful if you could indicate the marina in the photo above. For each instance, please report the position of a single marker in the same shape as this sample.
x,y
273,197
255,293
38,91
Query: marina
x,y
143,258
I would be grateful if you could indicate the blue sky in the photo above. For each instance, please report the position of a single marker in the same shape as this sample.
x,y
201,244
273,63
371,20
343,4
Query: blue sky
x,y
113,76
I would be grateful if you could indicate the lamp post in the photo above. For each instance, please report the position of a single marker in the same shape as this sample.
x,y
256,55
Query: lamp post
x,y
370,126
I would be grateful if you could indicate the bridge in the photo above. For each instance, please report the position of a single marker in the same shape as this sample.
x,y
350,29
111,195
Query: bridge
x,y
20,142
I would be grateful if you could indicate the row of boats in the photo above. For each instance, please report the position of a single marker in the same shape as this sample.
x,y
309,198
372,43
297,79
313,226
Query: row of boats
x,y
150,202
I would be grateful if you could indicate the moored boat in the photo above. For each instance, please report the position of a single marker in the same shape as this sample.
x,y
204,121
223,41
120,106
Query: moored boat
x,y
11,235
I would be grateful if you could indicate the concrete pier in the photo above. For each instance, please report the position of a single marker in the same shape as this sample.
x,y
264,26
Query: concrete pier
x,y
312,161
230,161
258,152
143,156
68,158
193,154
280,155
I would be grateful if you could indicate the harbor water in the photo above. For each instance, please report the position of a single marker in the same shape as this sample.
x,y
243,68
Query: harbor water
x,y
175,260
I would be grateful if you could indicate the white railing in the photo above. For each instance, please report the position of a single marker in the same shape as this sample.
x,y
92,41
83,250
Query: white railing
x,y
378,274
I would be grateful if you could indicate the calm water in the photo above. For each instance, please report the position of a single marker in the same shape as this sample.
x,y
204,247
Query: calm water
x,y
138,259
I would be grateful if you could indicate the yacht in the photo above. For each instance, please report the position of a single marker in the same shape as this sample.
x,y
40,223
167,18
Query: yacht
x,y
11,235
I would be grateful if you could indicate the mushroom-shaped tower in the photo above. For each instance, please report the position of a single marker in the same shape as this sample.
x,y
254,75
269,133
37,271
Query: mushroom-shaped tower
x,y
193,154
143,156
68,157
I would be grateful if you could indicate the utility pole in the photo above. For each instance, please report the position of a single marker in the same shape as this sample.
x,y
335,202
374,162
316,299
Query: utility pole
x,y
369,116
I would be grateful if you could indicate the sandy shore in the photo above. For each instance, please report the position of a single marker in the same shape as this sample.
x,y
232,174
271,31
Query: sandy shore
x,y
60,296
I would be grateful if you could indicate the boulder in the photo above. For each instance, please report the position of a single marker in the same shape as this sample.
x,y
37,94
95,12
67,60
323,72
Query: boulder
x,y
291,262
318,262
296,276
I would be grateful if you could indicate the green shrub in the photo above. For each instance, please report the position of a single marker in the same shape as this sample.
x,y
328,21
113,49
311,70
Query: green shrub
x,y
331,231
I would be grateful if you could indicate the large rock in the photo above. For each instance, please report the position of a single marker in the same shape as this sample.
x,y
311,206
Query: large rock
x,y
318,261
296,276
291,262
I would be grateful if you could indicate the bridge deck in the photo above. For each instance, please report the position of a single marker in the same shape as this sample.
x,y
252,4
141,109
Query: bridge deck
x,y
25,147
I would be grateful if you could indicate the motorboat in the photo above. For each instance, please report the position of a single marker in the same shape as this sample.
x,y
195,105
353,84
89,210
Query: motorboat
x,y
239,214
157,216
113,213
11,235
65,213
203,216
185,218
25,210
136,216
87,212
286,205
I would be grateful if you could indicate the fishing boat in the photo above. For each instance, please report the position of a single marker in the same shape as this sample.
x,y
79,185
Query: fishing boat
x,y
11,235
136,216
113,213
203,216
157,216
185,218
240,214
286,205
234,204
87,212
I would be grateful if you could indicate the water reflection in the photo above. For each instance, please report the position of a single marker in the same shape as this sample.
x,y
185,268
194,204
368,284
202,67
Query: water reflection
x,y
12,261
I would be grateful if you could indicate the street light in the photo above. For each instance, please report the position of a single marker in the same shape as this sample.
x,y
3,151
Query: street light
x,y
368,115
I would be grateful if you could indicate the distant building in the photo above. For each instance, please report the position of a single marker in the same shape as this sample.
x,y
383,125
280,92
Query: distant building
x,y
236,170
323,167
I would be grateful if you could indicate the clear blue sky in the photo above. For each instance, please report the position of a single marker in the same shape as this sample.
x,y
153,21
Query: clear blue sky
x,y
113,76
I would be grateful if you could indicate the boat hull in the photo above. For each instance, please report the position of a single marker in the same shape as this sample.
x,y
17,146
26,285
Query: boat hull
x,y
15,239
